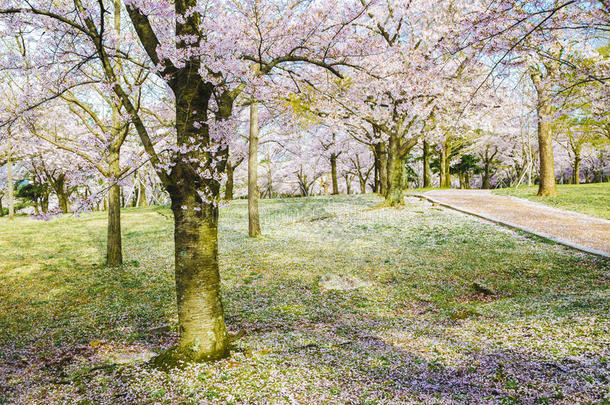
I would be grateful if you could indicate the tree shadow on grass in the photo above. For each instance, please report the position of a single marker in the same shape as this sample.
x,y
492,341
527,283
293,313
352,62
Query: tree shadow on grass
x,y
352,353
366,368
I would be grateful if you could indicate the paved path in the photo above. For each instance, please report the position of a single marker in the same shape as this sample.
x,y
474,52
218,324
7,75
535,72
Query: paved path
x,y
570,228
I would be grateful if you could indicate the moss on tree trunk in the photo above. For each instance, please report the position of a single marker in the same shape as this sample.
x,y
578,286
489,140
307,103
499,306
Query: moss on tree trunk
x,y
203,334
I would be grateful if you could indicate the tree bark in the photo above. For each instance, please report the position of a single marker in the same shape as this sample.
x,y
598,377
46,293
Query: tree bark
x,y
426,164
63,201
114,250
142,202
333,172
547,187
348,184
229,184
576,174
9,185
486,172
269,180
445,167
376,170
44,203
203,333
383,168
395,173
254,227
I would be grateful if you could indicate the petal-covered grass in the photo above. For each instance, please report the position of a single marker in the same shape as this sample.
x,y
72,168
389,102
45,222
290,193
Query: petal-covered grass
x,y
591,199
458,311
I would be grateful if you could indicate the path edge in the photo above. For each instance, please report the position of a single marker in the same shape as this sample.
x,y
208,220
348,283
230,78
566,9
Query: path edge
x,y
511,225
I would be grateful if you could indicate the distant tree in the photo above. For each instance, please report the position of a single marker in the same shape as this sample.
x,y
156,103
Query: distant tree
x,y
466,168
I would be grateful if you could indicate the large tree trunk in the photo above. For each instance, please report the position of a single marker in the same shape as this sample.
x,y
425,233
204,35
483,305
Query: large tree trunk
x,y
229,184
383,168
333,172
254,227
203,333
114,251
362,184
426,164
395,173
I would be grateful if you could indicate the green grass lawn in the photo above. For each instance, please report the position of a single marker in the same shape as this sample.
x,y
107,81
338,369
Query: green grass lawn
x,y
73,331
590,199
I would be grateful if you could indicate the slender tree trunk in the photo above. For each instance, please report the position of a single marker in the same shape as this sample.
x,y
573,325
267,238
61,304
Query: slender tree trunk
x,y
383,169
9,185
362,184
142,202
376,170
445,167
254,227
135,196
333,172
547,186
44,203
1,207
395,173
229,185
269,180
486,175
114,250
576,174
426,164
348,184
